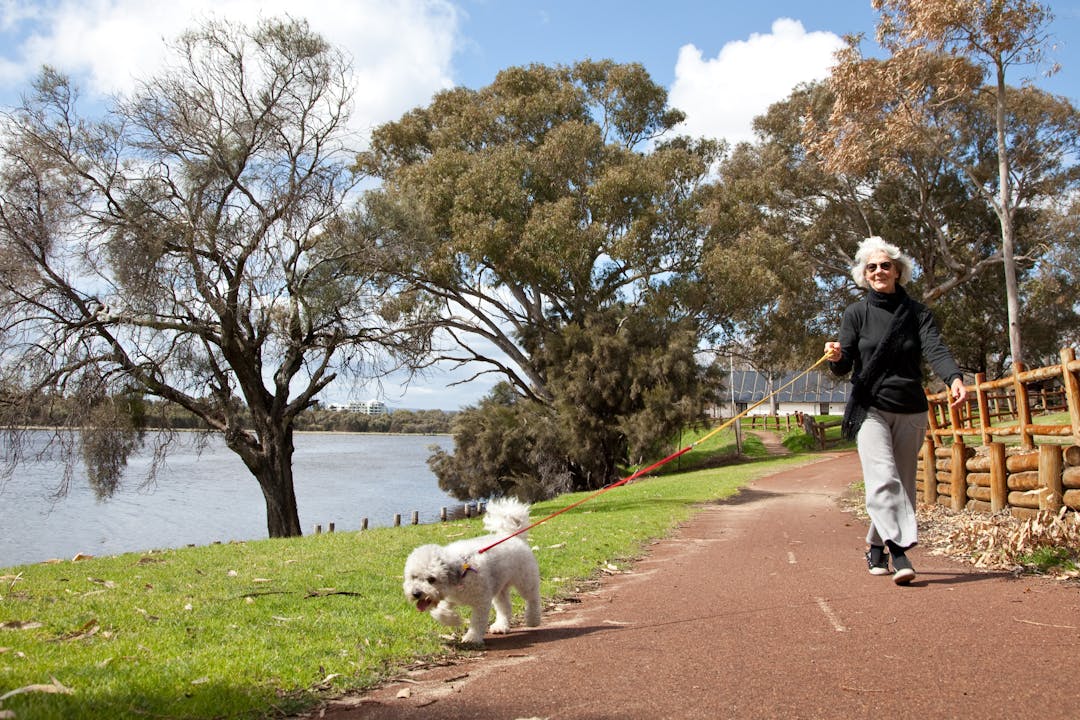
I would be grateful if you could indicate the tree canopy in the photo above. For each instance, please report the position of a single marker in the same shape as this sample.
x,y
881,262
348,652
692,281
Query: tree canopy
x,y
543,204
185,246
941,96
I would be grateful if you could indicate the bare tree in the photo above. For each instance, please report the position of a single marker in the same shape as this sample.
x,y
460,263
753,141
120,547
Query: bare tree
x,y
187,247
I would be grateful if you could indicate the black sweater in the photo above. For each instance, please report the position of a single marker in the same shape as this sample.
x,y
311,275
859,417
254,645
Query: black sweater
x,y
862,327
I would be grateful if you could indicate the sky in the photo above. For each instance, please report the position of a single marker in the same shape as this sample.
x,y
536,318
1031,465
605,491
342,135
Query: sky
x,y
723,63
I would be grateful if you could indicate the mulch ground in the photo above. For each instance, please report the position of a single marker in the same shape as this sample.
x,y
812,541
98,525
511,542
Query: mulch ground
x,y
761,607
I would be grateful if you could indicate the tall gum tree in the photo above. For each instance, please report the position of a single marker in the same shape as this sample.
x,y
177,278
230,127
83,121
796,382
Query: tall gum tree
x,y
185,247
535,204
945,54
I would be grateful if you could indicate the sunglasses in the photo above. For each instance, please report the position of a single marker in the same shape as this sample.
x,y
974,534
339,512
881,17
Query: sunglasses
x,y
871,267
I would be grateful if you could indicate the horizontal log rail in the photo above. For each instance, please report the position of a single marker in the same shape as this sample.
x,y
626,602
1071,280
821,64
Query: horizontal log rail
x,y
1024,478
976,417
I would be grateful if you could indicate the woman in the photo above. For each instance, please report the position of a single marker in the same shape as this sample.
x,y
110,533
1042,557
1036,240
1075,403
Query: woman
x,y
883,337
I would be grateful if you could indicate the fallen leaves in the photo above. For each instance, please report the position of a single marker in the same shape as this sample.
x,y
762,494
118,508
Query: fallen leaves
x,y
55,688
89,629
999,541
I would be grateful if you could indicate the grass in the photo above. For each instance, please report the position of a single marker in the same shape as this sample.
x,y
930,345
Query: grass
x,y
711,451
250,630
1049,559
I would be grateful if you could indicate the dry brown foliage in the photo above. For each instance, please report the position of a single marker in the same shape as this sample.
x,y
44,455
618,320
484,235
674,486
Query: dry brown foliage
x,y
992,542
1001,541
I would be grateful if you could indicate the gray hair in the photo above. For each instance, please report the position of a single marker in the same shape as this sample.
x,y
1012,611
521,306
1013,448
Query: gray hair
x,y
875,244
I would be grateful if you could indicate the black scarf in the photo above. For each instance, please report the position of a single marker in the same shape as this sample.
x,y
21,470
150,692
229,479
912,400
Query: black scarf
x,y
866,383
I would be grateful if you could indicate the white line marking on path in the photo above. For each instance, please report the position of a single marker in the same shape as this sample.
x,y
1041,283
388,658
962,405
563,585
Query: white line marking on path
x,y
837,625
791,557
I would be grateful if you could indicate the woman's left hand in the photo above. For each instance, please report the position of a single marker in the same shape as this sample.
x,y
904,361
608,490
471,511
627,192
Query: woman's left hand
x,y
958,392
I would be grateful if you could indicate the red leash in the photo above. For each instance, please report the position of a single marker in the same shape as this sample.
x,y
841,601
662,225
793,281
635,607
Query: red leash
x,y
601,491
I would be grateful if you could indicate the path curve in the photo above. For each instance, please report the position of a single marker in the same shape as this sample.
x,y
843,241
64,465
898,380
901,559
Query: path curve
x,y
761,607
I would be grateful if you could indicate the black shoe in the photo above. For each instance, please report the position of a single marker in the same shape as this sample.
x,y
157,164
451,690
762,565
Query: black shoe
x,y
877,560
904,572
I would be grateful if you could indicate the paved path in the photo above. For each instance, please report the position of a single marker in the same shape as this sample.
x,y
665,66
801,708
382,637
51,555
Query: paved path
x,y
761,607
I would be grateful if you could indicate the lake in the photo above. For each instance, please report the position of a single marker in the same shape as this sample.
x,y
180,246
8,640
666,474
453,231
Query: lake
x,y
201,498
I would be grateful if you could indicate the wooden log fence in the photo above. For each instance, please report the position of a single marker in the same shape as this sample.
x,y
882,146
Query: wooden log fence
x,y
972,460
817,430
778,423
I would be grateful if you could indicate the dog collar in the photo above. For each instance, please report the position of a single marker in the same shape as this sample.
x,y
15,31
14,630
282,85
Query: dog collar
x,y
466,568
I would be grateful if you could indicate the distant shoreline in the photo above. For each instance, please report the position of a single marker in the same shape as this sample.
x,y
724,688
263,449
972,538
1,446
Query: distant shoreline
x,y
50,428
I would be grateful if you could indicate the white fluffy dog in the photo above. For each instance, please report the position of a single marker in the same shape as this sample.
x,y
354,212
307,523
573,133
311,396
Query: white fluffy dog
x,y
439,577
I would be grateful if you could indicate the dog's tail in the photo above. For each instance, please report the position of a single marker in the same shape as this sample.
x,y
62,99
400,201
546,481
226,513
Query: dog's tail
x,y
506,515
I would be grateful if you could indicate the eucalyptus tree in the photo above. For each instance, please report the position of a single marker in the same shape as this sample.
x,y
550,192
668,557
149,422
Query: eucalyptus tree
x,y
946,57
783,227
185,246
546,201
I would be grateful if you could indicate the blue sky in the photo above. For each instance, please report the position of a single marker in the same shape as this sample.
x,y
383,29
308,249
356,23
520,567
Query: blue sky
x,y
723,61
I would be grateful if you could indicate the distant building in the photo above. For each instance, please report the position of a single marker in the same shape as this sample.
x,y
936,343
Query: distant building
x,y
816,393
368,407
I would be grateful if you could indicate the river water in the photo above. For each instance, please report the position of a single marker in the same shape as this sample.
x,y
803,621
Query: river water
x,y
200,498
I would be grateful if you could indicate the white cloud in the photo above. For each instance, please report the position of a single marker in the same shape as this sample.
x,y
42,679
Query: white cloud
x,y
401,49
721,96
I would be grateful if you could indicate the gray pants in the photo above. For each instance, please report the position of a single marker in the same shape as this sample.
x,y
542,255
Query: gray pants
x,y
889,446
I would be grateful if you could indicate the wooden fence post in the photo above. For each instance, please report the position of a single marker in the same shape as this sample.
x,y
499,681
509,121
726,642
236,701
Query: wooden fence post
x,y
999,478
956,421
1023,407
959,473
1072,391
929,472
1051,462
984,407
932,420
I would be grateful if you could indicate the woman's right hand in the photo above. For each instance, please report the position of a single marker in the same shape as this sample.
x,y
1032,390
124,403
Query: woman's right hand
x,y
832,352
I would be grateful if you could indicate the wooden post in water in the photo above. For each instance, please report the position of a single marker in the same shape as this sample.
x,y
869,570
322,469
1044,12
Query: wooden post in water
x,y
442,514
363,523
415,517
318,529
397,519
330,528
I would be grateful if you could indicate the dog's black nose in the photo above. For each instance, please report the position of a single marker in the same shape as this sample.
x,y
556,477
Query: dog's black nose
x,y
417,594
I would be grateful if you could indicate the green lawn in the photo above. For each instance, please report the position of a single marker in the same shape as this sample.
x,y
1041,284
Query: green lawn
x,y
251,629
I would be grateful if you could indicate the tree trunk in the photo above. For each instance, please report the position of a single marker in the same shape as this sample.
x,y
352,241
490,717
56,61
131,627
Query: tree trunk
x,y
1008,233
276,481
270,461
